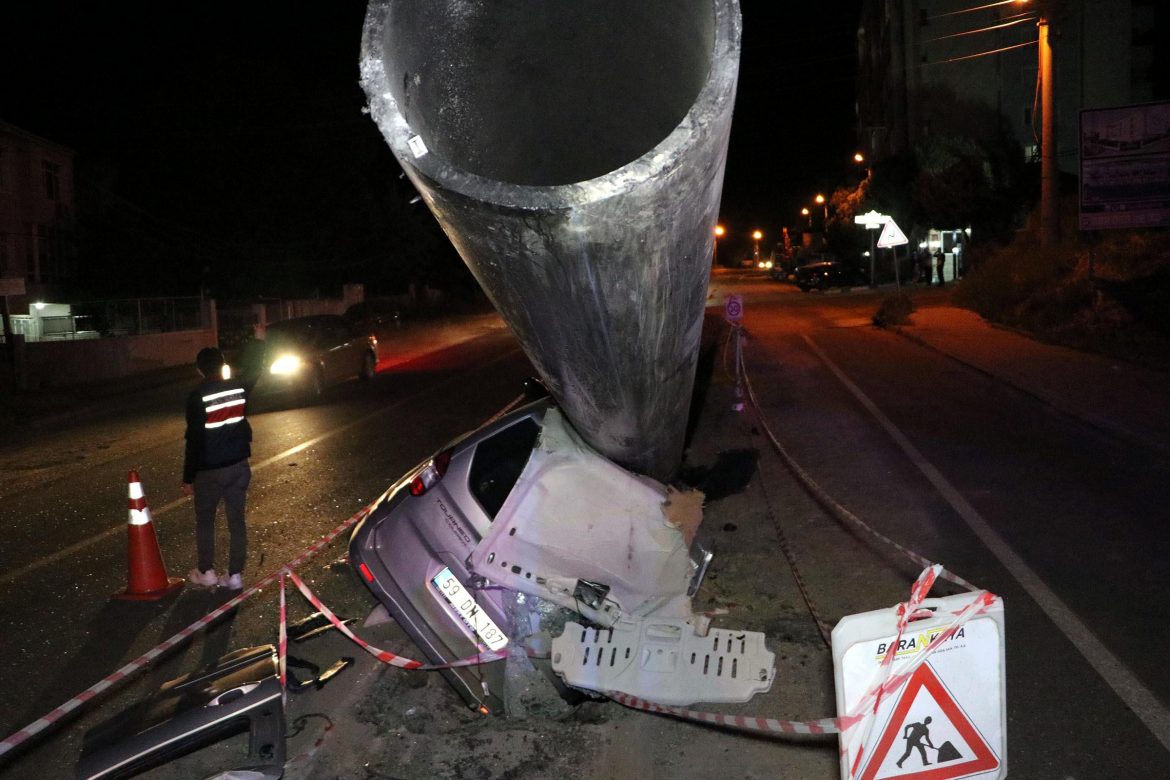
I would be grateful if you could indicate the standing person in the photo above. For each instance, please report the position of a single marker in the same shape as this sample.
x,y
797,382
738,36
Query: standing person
x,y
939,262
219,443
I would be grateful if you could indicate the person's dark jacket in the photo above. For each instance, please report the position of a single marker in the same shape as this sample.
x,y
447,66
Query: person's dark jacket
x,y
218,433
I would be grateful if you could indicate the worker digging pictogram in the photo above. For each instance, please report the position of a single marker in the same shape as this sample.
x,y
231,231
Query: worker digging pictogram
x,y
929,737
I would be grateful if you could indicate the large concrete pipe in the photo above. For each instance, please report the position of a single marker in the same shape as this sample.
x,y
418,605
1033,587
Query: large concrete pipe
x,y
573,151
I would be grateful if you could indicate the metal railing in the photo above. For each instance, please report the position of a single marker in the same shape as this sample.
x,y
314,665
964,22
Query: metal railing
x,y
126,317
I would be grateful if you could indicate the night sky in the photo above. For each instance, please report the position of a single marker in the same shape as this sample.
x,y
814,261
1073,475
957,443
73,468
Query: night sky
x,y
234,130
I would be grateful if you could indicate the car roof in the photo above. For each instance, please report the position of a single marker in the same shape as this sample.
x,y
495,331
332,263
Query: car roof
x,y
305,324
312,319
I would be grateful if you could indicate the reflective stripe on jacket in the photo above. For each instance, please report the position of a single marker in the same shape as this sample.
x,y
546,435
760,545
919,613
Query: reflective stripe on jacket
x,y
218,433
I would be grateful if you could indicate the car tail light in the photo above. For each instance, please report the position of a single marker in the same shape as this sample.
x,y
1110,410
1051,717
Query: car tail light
x,y
430,473
365,570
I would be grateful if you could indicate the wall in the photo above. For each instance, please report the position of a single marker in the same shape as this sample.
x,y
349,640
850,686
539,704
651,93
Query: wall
x,y
57,363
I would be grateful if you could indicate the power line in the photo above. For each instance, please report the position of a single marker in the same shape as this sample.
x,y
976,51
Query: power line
x,y
982,53
976,8
981,30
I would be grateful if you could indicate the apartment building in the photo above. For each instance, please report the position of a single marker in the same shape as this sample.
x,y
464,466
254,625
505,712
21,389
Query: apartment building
x,y
930,65
37,237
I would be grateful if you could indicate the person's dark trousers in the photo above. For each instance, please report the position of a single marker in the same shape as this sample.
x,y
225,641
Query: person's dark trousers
x,y
229,484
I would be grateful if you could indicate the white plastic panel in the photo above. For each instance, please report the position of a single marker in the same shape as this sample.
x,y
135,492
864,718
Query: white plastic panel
x,y
665,662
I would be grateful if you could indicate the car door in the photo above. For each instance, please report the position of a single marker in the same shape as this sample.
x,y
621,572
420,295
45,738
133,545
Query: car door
x,y
349,352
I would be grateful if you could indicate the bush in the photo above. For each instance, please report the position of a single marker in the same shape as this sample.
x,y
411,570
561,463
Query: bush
x,y
1119,304
1002,279
895,310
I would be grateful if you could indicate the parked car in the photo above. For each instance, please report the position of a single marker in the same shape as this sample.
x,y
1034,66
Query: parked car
x,y
305,355
824,274
416,551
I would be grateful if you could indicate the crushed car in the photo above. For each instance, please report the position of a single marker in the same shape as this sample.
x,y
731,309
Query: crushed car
x,y
524,505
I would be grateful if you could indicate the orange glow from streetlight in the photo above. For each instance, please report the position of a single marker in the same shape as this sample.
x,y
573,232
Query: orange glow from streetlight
x,y
819,199
719,231
859,158
804,211
757,235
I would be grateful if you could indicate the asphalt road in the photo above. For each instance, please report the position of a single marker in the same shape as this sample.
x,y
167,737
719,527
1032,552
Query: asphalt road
x,y
1066,510
64,509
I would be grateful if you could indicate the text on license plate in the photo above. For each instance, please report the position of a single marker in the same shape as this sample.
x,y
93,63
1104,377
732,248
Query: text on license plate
x,y
473,616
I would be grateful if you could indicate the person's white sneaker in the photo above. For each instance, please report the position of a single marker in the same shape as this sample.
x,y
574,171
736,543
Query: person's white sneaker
x,y
231,582
207,579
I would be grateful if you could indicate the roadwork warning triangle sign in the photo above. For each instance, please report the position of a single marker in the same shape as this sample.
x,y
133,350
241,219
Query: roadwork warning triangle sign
x,y
891,236
929,737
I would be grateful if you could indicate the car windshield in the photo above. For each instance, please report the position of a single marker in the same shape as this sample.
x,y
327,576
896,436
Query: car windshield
x,y
307,333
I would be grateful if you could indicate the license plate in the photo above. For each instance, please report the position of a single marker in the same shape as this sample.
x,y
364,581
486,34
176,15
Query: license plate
x,y
472,614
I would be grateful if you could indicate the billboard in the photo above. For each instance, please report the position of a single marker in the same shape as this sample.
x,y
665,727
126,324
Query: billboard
x,y
1125,167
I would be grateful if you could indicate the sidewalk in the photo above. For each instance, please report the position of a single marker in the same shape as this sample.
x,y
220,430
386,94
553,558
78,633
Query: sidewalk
x,y
1128,401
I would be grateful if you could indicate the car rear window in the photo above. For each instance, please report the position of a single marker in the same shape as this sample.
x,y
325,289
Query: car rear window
x,y
497,464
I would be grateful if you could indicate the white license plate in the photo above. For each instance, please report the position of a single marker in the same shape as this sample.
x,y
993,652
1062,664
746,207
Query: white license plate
x,y
473,615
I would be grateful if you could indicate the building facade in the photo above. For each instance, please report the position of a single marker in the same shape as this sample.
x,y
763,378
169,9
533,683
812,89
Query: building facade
x,y
37,236
940,65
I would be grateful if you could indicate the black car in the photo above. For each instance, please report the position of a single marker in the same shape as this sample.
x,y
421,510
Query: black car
x,y
825,274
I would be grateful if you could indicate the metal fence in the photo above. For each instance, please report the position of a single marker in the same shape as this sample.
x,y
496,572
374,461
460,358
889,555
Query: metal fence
x,y
94,319
139,316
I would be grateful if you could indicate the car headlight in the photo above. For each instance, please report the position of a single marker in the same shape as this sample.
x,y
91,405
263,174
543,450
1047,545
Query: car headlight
x,y
286,365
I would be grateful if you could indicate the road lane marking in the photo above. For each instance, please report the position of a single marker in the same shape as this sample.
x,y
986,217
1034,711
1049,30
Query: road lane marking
x,y
1116,674
65,552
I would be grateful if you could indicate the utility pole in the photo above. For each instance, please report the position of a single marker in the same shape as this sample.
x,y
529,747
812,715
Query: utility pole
x,y
1049,195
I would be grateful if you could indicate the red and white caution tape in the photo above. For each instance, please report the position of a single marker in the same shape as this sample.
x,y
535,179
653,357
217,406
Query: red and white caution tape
x,y
385,656
312,751
282,645
737,722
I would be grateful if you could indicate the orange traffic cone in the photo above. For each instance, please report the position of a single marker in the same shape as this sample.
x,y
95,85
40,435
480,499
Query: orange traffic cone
x,y
148,574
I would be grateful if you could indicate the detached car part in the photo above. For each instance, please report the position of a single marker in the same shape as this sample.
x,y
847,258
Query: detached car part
x,y
239,692
665,661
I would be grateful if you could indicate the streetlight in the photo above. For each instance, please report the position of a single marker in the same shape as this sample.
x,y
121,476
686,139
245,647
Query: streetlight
x,y
756,236
820,199
804,212
862,163
719,231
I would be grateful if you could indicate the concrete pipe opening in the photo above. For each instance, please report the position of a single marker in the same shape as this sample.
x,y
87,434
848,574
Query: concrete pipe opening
x,y
546,93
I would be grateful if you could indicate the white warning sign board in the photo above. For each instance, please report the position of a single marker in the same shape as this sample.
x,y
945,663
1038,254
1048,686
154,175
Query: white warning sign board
x,y
872,220
891,236
949,719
